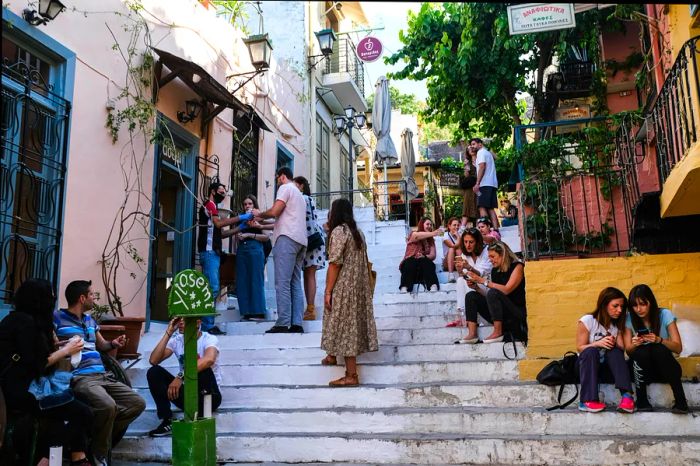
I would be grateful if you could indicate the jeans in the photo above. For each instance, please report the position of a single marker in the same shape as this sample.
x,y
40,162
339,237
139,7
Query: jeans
x,y
250,277
507,222
289,256
210,261
159,379
590,371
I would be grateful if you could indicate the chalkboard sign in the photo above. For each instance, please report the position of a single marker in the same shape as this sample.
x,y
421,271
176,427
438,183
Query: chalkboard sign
x,y
190,296
449,179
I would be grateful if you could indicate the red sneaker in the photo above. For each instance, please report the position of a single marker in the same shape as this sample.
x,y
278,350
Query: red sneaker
x,y
591,406
626,404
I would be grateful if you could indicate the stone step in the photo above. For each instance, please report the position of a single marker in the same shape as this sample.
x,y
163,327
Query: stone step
x,y
386,354
449,420
475,395
435,449
372,373
311,326
391,337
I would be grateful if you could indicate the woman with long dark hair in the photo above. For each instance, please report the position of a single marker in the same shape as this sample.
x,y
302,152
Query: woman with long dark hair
x,y
250,266
28,350
471,256
469,209
600,345
348,319
651,338
417,266
315,259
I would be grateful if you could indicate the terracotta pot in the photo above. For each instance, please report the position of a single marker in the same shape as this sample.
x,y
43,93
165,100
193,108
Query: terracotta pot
x,y
132,327
110,332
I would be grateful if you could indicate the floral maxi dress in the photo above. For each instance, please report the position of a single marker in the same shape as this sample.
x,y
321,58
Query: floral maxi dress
x,y
349,328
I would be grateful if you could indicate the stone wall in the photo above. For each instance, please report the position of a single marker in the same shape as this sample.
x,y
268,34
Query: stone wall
x,y
559,292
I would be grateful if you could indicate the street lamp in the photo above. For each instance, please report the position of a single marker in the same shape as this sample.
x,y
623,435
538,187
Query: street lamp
x,y
48,10
348,121
260,50
326,38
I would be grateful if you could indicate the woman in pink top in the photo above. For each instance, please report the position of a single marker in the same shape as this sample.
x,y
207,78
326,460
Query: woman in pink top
x,y
490,234
417,265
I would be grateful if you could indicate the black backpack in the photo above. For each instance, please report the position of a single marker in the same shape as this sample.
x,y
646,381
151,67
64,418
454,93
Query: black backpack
x,y
562,373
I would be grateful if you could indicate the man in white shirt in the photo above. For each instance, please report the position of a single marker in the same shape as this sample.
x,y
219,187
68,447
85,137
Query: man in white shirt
x,y
166,388
290,238
486,182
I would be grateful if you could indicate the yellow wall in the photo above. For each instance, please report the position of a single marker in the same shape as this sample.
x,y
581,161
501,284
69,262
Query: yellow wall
x,y
559,292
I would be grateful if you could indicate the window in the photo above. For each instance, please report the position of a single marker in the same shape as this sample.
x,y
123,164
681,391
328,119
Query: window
x,y
344,169
323,178
245,162
284,158
34,131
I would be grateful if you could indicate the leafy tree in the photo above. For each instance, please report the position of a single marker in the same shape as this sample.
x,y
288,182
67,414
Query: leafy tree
x,y
407,104
474,67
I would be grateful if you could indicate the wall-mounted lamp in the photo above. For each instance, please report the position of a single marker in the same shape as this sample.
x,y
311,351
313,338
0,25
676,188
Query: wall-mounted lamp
x,y
48,10
349,121
326,39
260,50
192,109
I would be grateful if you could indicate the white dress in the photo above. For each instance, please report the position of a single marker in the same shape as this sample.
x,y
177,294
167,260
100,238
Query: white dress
x,y
315,257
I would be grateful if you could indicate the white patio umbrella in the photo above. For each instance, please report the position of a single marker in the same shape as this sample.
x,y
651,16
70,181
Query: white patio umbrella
x,y
385,151
408,164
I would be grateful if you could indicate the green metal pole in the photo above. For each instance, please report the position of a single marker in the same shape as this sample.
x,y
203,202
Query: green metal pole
x,y
191,379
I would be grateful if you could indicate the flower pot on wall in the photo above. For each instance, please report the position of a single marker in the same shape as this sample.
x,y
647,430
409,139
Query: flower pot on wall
x,y
109,332
132,329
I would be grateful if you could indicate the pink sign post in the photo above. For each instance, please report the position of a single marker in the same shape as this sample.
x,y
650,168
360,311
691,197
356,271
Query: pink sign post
x,y
369,49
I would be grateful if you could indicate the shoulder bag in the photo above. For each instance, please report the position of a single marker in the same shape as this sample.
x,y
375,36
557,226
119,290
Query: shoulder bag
x,y
561,372
314,240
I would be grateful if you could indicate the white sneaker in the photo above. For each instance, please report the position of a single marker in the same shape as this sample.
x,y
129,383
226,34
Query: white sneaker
x,y
403,289
433,288
452,277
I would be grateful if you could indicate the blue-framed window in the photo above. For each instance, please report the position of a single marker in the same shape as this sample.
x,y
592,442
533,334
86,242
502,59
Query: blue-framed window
x,y
284,158
37,77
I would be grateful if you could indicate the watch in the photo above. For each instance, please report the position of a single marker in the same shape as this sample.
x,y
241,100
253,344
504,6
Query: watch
x,y
486,283
180,375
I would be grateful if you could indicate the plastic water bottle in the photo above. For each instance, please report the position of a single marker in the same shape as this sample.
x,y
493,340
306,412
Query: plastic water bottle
x,y
76,357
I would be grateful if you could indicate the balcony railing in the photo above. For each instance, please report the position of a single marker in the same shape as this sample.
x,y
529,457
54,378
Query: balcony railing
x,y
673,113
344,60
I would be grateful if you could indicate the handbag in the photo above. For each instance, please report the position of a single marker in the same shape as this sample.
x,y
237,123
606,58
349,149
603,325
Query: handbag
x,y
314,241
52,390
371,273
467,182
561,372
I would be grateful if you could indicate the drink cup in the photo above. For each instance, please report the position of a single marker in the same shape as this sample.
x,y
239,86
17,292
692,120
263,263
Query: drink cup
x,y
76,357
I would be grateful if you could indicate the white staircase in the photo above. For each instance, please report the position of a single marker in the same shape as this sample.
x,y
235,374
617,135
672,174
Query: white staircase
x,y
423,400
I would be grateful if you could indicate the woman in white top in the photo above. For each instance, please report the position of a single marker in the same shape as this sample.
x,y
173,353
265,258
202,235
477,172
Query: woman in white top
x,y
601,347
470,256
651,338
449,242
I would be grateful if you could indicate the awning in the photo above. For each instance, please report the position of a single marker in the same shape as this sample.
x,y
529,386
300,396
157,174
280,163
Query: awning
x,y
201,82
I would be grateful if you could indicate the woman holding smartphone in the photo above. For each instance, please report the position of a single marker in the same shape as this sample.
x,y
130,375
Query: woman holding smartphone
x,y
651,338
600,346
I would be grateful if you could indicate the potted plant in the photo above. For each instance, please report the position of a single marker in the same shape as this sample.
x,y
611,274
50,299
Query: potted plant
x,y
114,323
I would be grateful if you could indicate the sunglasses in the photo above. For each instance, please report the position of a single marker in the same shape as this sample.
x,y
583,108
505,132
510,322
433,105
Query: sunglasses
x,y
472,231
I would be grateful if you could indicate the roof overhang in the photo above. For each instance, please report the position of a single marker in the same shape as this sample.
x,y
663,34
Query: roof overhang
x,y
214,94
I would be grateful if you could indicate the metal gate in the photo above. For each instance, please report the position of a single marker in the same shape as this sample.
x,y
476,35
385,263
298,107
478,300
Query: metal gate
x,y
34,130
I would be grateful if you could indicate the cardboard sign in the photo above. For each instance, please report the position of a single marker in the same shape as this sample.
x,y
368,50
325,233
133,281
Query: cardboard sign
x,y
190,295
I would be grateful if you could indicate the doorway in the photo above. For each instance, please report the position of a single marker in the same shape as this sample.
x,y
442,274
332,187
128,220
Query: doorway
x,y
173,215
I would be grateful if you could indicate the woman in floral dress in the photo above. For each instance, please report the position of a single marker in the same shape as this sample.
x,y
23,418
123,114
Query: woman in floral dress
x,y
315,259
349,328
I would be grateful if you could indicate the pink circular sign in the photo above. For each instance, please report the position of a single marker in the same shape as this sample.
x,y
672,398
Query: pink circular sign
x,y
369,49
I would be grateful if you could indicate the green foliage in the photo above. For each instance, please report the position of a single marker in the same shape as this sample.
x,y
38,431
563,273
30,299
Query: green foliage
x,y
474,67
452,206
407,104
234,12
452,165
633,61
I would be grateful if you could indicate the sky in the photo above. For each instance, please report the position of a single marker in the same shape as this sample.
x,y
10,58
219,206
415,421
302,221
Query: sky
x,y
393,16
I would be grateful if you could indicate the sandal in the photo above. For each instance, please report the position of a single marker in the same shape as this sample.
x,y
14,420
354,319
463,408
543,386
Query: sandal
x,y
457,323
350,380
329,361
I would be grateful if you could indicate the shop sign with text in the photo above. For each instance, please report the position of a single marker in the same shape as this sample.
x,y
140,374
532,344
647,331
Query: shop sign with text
x,y
538,17
369,49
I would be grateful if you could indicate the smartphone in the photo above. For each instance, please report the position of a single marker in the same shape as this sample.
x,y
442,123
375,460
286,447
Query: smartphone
x,y
643,331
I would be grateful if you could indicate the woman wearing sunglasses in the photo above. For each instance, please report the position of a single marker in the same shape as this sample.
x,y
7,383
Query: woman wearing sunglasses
x,y
500,299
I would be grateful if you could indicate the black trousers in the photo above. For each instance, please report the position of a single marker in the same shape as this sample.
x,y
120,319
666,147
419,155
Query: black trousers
x,y
593,370
418,271
655,363
495,306
159,379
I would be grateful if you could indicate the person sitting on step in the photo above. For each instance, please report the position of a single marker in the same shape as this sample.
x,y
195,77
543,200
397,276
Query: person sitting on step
x,y
651,337
509,212
471,256
490,234
449,242
417,266
601,351
501,298
166,388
